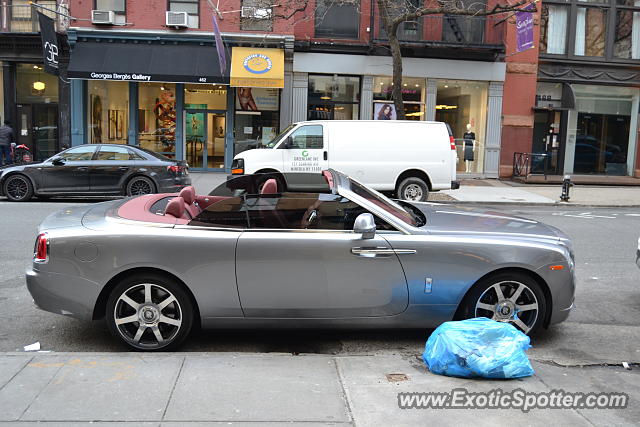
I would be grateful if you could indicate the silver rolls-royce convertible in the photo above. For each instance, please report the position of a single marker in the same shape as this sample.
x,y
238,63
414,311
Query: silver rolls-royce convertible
x,y
255,253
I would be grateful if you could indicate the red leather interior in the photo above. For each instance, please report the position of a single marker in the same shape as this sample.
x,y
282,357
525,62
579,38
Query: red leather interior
x,y
176,208
138,209
270,187
205,201
188,194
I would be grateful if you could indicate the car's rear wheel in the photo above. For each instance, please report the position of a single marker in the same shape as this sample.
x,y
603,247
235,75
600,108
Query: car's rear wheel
x,y
18,188
139,185
510,297
413,189
149,312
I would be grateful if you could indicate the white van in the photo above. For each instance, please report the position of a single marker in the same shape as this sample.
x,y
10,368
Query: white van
x,y
409,158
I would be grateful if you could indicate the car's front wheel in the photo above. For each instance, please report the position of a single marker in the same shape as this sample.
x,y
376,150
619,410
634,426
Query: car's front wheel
x,y
139,185
149,312
18,188
510,297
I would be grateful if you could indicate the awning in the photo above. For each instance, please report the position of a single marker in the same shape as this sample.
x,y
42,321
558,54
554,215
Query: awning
x,y
253,67
144,62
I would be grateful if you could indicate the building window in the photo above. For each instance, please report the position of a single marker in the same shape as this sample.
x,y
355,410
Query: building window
x,y
413,91
553,29
256,15
591,31
24,17
157,117
463,106
192,7
627,36
336,20
118,7
333,97
108,112
257,117
602,29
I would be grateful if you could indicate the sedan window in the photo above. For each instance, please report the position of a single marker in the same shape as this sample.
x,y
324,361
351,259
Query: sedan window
x,y
114,153
78,153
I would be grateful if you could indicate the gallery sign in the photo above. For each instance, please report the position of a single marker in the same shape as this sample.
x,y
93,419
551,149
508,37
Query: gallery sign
x,y
253,67
50,49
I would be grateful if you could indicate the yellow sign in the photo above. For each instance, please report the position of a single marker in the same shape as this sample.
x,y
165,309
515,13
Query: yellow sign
x,y
254,67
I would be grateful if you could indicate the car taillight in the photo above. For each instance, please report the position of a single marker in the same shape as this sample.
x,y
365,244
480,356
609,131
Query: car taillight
x,y
453,142
41,251
175,169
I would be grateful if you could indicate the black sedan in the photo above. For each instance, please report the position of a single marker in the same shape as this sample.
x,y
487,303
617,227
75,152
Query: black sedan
x,y
95,169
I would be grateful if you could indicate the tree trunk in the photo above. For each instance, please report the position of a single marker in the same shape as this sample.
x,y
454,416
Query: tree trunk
x,y
391,28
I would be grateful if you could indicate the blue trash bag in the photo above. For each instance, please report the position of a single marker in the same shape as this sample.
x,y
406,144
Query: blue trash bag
x,y
478,347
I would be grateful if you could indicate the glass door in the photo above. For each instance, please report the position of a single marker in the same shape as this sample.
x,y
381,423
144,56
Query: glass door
x,y
45,130
205,132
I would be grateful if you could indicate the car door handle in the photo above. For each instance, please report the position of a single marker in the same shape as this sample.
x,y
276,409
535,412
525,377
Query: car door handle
x,y
325,156
82,168
380,251
124,168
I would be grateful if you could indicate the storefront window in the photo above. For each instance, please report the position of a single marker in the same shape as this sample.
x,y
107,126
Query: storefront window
x,y
157,117
205,97
257,118
412,94
108,112
602,137
333,97
463,105
33,85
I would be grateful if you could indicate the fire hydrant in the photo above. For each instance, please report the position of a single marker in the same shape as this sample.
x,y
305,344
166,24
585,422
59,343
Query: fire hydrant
x,y
566,185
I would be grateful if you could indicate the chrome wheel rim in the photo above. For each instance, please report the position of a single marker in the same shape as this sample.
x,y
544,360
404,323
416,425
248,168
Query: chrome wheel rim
x,y
510,302
412,192
17,188
148,316
140,186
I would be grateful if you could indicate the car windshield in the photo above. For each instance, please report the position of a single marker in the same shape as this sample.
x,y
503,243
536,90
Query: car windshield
x,y
278,138
409,216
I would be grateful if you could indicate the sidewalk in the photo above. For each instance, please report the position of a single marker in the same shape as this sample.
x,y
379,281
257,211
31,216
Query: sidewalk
x,y
491,191
273,389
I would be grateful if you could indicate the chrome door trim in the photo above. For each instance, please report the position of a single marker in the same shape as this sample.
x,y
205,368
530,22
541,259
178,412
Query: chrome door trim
x,y
380,251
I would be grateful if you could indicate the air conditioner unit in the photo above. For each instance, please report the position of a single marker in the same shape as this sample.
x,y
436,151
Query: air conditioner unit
x,y
106,17
255,12
177,19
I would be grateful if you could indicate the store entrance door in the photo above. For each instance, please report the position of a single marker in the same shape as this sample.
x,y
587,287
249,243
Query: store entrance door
x,y
549,136
205,139
37,128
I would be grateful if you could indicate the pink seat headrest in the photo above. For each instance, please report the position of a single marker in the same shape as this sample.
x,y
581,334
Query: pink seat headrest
x,y
175,207
188,194
270,187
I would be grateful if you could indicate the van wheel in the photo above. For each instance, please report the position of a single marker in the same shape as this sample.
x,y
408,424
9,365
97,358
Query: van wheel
x,y
413,189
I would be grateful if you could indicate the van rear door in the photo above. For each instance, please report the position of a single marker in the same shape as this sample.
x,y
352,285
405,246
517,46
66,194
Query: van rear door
x,y
305,150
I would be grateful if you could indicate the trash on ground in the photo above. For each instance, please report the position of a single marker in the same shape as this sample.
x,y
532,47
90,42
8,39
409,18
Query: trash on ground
x,y
626,366
32,347
392,378
478,347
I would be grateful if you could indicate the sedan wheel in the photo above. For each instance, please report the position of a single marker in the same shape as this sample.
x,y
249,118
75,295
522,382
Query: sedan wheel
x,y
510,298
140,185
149,314
18,188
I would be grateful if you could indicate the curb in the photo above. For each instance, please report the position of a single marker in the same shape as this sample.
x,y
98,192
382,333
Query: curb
x,y
554,204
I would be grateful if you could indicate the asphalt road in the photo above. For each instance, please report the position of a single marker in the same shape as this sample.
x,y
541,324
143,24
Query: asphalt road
x,y
603,328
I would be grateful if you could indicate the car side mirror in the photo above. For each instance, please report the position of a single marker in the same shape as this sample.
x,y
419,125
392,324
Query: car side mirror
x,y
58,161
365,225
288,143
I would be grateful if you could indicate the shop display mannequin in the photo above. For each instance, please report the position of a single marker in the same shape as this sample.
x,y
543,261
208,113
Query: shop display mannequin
x,y
469,147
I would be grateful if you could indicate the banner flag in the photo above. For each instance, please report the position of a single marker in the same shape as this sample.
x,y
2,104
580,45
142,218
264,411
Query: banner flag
x,y
49,44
